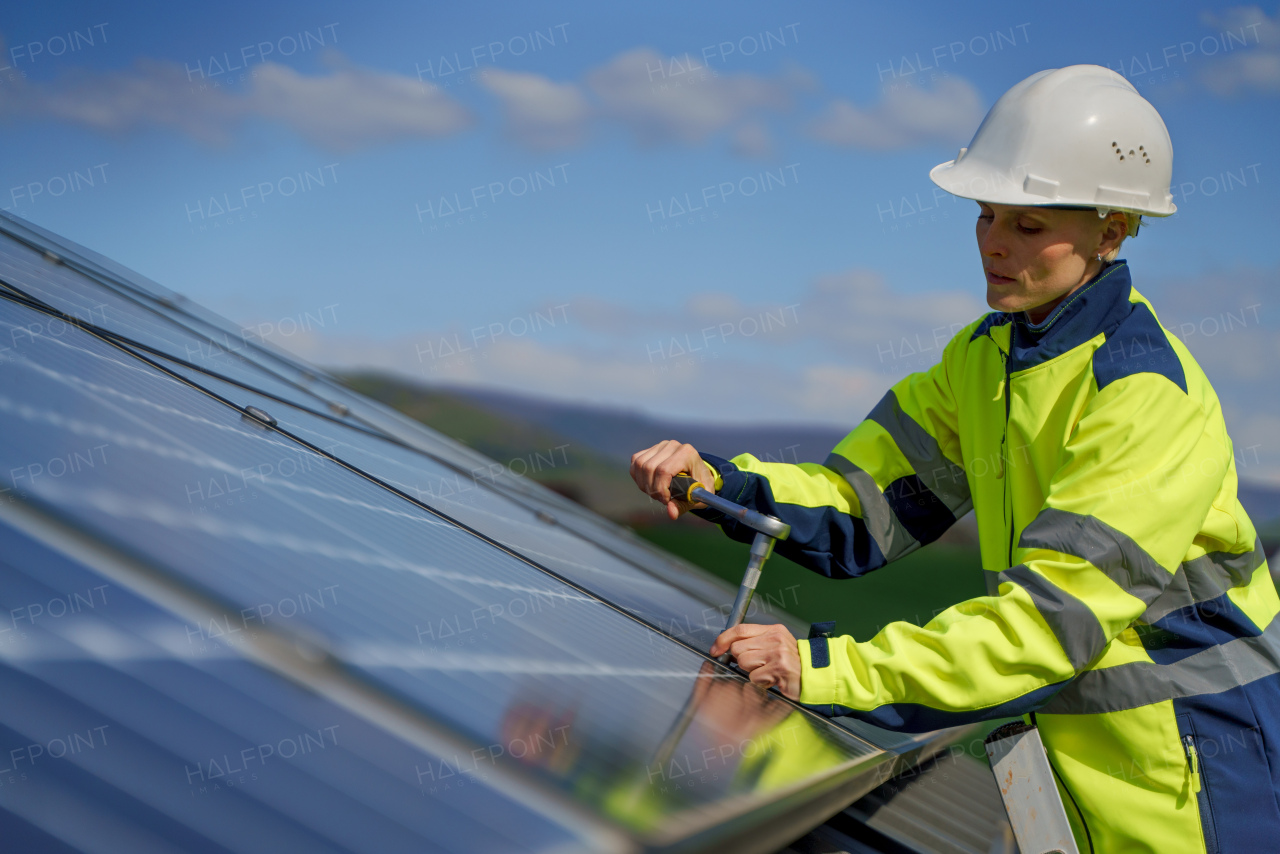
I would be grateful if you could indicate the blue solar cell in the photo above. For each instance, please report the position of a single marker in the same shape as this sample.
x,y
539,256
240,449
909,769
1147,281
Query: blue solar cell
x,y
695,615
115,300
68,291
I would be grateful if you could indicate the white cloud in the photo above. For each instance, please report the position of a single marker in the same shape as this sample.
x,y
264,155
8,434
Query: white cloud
x,y
662,100
720,389
151,93
752,140
1228,322
826,356
353,107
1253,67
346,108
658,99
861,316
854,315
949,113
539,113
1258,70
836,393
706,313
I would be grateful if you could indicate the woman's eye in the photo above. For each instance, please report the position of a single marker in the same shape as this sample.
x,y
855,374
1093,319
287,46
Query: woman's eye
x,y
1029,229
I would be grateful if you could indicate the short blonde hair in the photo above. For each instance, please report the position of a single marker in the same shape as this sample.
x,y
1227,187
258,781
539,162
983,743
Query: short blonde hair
x,y
1132,221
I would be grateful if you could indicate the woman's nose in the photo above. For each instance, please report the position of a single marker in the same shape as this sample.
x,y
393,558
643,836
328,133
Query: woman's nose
x,y
990,244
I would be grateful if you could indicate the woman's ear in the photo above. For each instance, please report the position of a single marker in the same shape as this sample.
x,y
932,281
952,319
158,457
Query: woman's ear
x,y
1113,233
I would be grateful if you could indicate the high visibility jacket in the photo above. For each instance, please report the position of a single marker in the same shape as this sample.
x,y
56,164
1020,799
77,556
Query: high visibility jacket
x,y
1130,606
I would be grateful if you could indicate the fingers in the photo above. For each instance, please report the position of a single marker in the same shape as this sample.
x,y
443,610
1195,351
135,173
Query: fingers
x,y
765,677
641,471
703,474
767,654
739,632
653,468
644,468
784,678
675,459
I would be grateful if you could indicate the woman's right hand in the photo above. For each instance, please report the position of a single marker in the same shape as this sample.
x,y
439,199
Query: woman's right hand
x,y
653,468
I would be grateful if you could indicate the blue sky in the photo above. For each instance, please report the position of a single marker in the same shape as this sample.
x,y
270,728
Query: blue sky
x,y
504,194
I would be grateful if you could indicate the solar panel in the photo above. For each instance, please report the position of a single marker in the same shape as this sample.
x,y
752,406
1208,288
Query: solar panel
x,y
276,569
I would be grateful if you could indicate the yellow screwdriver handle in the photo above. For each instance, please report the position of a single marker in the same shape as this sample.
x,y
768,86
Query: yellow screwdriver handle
x,y
682,485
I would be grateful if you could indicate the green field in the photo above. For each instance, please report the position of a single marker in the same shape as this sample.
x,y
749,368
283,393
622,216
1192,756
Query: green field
x,y
912,589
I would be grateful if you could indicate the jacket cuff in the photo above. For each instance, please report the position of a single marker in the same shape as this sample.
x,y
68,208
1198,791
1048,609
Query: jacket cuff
x,y
730,481
821,659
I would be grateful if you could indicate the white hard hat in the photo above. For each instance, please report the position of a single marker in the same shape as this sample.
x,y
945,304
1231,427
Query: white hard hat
x,y
1079,136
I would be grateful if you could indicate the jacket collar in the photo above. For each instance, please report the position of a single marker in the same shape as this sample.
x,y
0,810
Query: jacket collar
x,y
1100,305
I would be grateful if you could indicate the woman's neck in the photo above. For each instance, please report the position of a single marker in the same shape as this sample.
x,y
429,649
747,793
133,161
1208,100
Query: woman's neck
x,y
1039,313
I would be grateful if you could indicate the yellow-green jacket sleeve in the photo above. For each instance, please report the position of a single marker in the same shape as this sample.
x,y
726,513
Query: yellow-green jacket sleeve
x,y
1089,563
893,484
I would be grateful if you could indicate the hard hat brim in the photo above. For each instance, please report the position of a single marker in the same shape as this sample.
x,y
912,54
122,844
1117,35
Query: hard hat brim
x,y
969,178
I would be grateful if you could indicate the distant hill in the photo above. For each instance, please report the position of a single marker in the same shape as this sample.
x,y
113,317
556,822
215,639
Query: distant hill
x,y
526,448
620,433
595,443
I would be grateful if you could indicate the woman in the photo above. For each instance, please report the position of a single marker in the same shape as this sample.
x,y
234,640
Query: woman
x,y
1130,613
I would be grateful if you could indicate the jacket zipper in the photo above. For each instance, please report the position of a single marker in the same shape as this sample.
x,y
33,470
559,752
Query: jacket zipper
x,y
1207,825
1193,762
1004,437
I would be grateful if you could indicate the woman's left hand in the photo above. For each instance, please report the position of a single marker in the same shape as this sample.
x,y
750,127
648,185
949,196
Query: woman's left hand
x,y
767,654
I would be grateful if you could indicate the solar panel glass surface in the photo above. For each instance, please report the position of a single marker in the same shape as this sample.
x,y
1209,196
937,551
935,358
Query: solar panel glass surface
x,y
123,730
484,642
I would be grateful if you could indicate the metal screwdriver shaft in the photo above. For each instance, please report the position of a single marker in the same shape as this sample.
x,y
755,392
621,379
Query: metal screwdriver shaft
x,y
768,531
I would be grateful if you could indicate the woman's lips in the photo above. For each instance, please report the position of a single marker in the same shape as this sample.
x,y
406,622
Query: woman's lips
x,y
994,279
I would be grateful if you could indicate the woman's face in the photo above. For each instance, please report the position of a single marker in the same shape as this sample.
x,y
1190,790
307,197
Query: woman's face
x,y
1033,257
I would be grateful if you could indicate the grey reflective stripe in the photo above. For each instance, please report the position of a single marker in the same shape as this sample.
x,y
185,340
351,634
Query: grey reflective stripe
x,y
1204,578
992,581
1215,573
1075,626
1175,597
1141,683
882,523
1115,554
944,478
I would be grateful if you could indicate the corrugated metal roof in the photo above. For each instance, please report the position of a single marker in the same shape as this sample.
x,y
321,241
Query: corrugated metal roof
x,y
948,804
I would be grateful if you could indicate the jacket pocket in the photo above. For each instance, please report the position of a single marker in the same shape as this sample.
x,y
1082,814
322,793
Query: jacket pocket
x,y
1199,781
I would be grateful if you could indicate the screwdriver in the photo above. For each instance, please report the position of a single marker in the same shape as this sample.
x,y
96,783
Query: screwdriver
x,y
768,531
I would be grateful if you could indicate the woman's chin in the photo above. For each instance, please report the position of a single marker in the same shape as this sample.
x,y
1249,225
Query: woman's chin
x,y
1000,300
